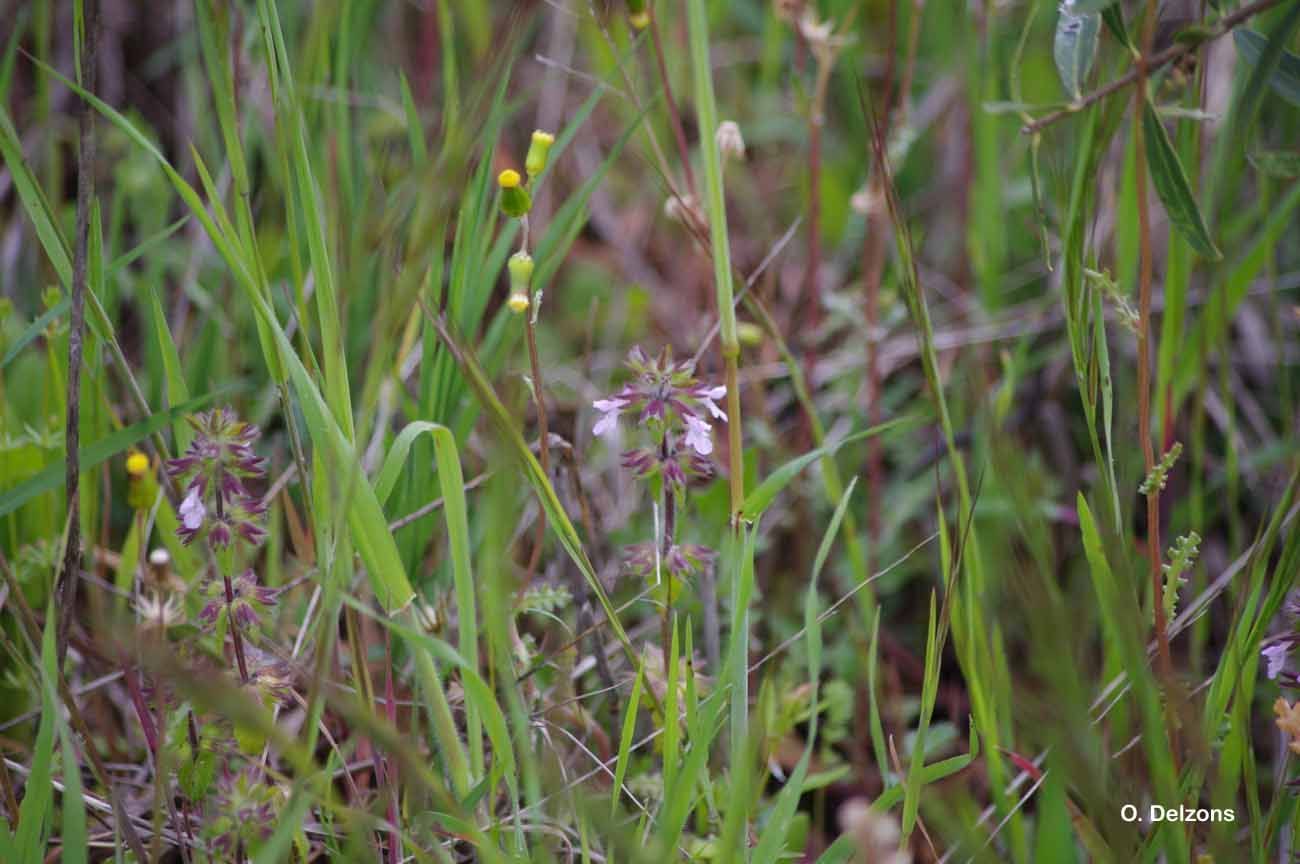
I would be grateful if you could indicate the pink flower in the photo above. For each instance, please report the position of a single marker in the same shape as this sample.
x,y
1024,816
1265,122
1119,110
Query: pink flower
x,y
709,397
697,436
1275,654
609,410
192,510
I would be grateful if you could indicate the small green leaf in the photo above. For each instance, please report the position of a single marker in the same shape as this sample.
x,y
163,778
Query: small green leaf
x,y
1075,47
1171,185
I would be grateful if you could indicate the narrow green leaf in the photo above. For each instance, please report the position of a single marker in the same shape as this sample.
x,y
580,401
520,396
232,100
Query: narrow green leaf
x,y
35,812
757,501
771,843
34,329
1285,79
1268,61
625,739
1171,185
73,829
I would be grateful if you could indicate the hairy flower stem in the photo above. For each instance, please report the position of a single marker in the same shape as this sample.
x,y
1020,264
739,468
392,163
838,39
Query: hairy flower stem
x,y
234,629
735,455
226,566
670,529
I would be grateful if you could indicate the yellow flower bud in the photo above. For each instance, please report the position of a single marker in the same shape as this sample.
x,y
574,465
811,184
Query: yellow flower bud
x,y
538,151
137,464
515,200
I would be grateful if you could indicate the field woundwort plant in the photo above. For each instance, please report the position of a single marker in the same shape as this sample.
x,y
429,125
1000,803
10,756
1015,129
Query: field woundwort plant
x,y
649,431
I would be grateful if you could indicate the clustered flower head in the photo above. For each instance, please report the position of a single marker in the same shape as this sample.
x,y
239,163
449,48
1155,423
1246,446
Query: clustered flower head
x,y
683,561
672,405
246,806
214,469
249,601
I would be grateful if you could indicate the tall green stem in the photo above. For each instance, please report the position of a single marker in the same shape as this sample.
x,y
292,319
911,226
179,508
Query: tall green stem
x,y
707,112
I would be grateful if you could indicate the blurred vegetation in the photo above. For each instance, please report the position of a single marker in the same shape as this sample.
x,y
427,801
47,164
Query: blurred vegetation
x,y
998,301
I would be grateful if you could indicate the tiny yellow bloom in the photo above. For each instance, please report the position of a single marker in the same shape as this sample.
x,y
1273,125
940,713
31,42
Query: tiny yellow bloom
x,y
518,302
137,464
515,200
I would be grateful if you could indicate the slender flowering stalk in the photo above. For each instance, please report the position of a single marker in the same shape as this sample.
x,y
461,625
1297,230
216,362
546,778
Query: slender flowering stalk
x,y
218,507
516,202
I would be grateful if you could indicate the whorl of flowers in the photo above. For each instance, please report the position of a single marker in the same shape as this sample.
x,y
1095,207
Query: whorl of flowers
x,y
249,601
244,809
683,561
675,408
214,470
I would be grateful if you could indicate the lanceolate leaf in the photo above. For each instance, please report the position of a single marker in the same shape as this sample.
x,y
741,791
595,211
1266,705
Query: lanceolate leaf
x,y
1075,46
1171,184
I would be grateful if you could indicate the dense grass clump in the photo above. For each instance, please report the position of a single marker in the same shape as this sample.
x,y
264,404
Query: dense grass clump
x,y
649,431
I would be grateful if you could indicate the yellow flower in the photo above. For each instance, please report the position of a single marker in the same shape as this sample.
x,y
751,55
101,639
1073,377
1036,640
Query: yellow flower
x,y
137,464
515,200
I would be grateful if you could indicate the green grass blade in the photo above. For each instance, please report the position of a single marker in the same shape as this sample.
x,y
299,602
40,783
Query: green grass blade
x,y
765,493
100,451
625,739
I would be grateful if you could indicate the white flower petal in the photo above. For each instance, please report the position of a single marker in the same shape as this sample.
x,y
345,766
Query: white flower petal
x,y
697,436
607,423
192,510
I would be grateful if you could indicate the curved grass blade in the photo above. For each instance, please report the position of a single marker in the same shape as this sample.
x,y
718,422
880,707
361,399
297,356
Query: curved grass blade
x,y
757,501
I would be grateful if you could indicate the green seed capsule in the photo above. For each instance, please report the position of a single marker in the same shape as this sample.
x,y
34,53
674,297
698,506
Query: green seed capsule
x,y
638,13
521,271
538,151
515,200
